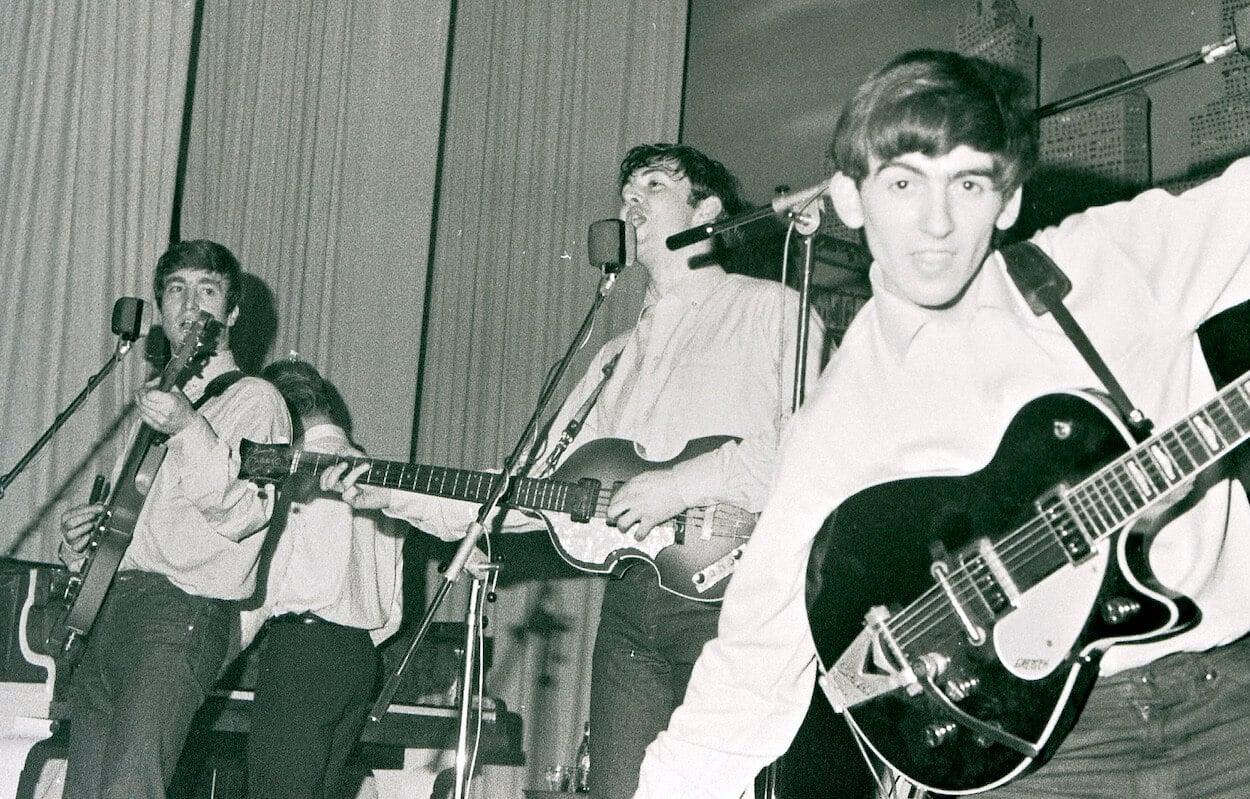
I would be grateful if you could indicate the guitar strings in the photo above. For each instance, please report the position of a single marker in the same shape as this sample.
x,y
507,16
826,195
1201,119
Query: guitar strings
x,y
1103,500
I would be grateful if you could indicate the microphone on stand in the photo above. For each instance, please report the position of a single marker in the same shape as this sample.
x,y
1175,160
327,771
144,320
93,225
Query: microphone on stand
x,y
790,206
127,323
611,244
128,318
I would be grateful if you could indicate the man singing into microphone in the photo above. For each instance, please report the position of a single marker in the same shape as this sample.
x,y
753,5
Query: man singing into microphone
x,y
712,354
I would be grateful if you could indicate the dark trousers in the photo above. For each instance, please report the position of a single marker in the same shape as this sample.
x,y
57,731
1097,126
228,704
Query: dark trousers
x,y
1174,729
314,685
645,649
152,657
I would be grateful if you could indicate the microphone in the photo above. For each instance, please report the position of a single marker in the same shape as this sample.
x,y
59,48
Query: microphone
x,y
789,204
611,244
128,318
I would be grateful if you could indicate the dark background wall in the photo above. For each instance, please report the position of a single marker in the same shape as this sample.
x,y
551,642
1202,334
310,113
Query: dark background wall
x,y
766,78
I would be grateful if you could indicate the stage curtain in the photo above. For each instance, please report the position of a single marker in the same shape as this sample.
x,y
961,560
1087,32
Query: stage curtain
x,y
91,101
313,145
543,100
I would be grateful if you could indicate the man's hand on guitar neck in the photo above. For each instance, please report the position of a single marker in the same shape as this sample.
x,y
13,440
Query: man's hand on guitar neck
x,y
165,411
361,497
645,500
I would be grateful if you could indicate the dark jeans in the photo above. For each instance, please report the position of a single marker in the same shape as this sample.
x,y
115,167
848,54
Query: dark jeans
x,y
314,684
646,646
1174,729
152,657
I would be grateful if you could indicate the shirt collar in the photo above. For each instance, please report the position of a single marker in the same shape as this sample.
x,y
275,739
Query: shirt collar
x,y
694,288
324,432
901,321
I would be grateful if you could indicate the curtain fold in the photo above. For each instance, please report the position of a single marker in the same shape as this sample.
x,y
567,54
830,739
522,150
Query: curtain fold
x,y
314,140
91,102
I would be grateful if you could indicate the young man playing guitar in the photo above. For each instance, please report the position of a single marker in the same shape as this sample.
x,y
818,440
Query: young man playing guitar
x,y
932,152
712,355
163,629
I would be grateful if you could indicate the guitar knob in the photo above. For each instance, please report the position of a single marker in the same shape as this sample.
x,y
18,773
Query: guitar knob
x,y
938,733
961,688
931,664
1120,609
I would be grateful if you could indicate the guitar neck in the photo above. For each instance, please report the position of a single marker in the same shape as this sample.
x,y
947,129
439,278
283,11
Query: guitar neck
x,y
462,484
1072,522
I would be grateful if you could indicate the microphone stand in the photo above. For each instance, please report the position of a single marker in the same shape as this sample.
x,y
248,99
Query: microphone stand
x,y
469,558
123,346
806,224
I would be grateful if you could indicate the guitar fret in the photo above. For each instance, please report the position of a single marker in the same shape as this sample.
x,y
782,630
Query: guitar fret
x,y
1192,447
1102,516
1106,499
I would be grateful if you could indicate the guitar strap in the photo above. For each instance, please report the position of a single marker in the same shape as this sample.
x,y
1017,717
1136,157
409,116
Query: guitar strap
x,y
575,424
217,386
1044,285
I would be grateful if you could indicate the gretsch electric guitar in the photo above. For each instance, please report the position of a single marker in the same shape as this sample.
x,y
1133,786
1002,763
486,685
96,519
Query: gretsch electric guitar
x,y
693,554
86,590
959,621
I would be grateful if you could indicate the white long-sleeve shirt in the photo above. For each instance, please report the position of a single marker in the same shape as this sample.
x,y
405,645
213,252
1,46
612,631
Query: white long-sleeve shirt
x,y
919,393
345,566
199,522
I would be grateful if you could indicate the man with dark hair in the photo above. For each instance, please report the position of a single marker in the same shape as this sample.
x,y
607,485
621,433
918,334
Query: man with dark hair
x,y
712,354
333,592
165,626
932,152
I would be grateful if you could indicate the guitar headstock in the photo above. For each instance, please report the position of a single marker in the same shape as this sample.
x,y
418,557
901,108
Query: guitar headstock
x,y
198,343
264,463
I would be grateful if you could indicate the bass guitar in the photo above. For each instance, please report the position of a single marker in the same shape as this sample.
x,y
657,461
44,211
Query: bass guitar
x,y
959,621
693,554
86,590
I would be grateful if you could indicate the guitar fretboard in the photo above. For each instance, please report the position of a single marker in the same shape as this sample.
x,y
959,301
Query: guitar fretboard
x,y
462,484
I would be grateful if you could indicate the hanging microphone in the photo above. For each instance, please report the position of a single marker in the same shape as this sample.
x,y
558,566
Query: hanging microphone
x,y
611,244
789,205
128,318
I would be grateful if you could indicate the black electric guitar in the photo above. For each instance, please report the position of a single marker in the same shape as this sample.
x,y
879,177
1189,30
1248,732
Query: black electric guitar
x,y
85,591
693,554
959,621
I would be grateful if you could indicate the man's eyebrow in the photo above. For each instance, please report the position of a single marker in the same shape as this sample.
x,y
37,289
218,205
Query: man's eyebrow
x,y
971,172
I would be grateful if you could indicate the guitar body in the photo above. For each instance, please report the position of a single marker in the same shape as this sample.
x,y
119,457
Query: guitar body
x,y
692,556
86,590
979,681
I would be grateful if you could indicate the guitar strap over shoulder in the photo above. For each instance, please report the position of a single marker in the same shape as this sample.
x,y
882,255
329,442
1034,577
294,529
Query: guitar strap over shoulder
x,y
1044,285
575,424
217,386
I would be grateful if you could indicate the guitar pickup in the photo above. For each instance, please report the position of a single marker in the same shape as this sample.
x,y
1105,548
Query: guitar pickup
x,y
582,508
